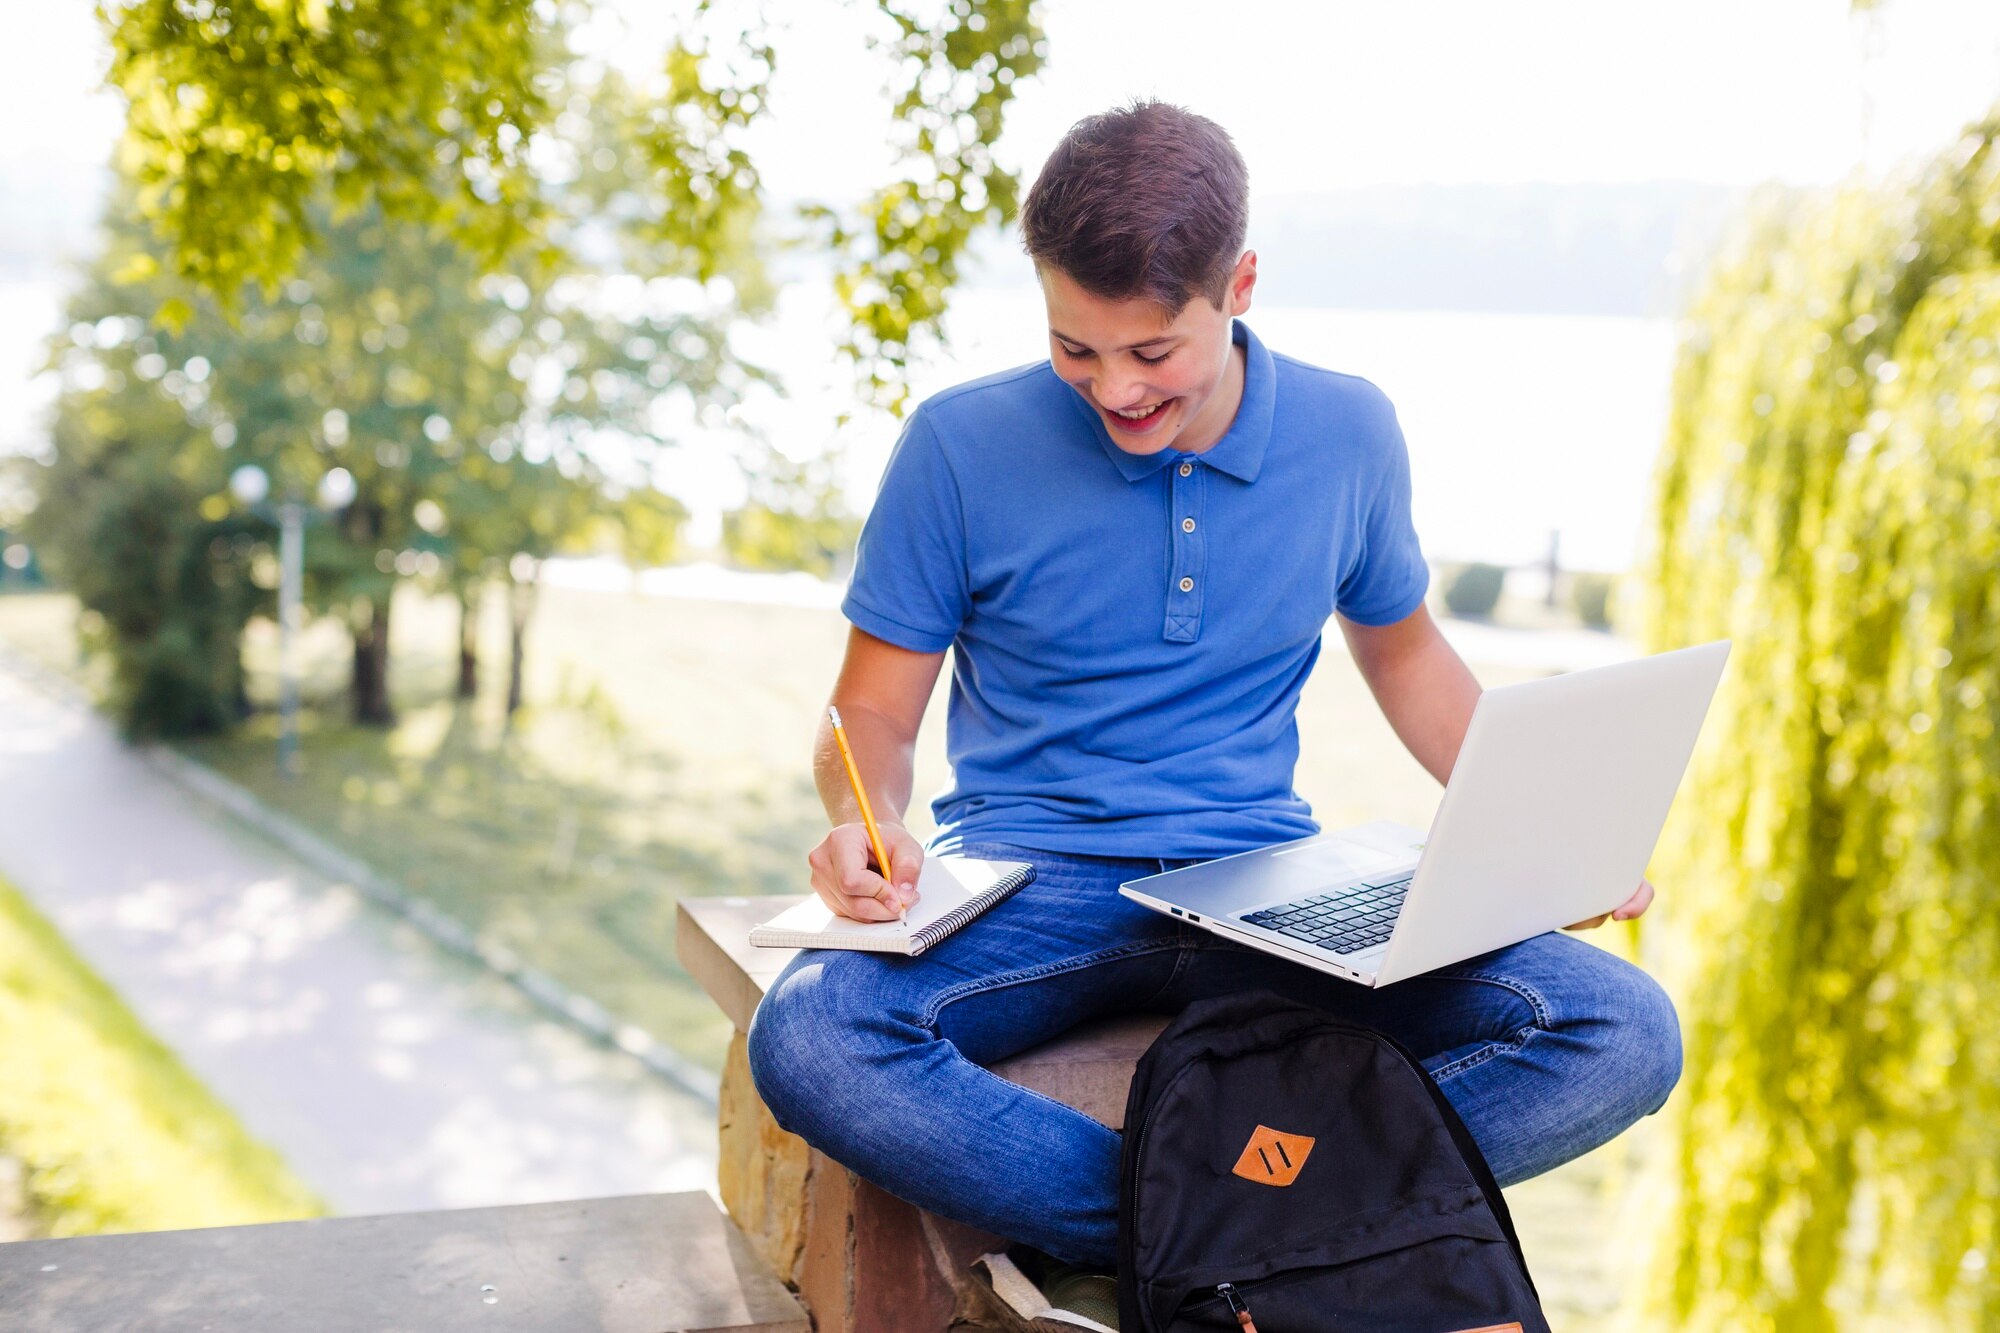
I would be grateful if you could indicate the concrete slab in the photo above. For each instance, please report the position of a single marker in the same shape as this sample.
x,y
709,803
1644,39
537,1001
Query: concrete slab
x,y
657,1263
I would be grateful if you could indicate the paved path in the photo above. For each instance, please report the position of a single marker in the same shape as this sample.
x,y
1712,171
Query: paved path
x,y
391,1075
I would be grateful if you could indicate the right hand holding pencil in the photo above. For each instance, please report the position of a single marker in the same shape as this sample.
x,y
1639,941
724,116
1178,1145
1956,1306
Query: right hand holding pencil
x,y
844,874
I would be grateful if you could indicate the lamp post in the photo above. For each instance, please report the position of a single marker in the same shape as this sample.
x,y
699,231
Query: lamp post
x,y
252,485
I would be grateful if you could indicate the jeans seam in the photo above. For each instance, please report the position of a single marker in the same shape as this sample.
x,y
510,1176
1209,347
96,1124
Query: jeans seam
x,y
1519,1040
982,985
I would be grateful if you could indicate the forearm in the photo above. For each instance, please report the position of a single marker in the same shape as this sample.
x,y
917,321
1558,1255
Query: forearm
x,y
1427,693
884,756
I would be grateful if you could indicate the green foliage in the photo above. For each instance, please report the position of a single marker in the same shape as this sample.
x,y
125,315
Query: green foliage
x,y
123,522
1830,498
115,1133
957,78
1474,589
1590,594
795,518
478,418
247,115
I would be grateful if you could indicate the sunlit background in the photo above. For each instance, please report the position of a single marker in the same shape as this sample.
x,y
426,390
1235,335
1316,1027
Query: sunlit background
x,y
410,943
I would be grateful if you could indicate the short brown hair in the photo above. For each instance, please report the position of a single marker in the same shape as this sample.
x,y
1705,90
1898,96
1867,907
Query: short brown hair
x,y
1149,201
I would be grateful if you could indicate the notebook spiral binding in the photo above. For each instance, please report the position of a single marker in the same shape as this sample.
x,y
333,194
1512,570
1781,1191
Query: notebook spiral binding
x,y
972,907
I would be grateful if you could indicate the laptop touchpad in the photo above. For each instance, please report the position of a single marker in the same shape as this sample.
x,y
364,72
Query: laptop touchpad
x,y
1333,861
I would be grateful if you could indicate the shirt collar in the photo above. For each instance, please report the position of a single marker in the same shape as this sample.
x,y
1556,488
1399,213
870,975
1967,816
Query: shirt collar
x,y
1240,451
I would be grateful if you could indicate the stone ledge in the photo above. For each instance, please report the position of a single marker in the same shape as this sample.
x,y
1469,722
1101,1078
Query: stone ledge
x,y
641,1264
863,1260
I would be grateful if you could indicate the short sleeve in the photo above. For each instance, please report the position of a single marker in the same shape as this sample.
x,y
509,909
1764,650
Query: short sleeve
x,y
909,586
1387,579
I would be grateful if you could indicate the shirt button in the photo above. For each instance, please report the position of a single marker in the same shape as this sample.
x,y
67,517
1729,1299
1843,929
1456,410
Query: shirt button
x,y
1187,525
1187,585
1187,469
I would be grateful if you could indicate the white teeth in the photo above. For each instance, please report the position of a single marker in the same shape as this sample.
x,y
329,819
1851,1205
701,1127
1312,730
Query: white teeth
x,y
1137,413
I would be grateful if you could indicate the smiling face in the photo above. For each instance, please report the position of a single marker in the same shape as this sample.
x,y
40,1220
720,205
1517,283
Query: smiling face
x,y
1156,383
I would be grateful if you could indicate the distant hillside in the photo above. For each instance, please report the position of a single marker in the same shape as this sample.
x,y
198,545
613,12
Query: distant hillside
x,y
1538,248
1574,249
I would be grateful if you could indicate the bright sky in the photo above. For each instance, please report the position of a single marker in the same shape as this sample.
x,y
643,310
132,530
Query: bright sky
x,y
1339,94
1324,95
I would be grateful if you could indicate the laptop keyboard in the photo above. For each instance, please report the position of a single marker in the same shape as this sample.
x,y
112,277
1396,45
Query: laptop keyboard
x,y
1346,921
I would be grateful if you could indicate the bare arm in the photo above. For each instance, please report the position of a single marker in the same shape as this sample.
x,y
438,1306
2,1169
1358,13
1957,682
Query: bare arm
x,y
881,693
1421,684
1427,693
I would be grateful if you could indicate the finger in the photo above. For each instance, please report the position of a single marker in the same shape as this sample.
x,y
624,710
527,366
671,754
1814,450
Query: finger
x,y
1636,905
864,908
865,895
907,857
822,878
1592,924
853,864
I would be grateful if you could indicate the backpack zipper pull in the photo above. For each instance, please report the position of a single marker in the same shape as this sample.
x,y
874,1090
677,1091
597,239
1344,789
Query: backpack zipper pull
x,y
1232,1299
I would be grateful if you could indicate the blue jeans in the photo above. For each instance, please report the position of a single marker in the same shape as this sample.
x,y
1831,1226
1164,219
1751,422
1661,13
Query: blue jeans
x,y
1546,1049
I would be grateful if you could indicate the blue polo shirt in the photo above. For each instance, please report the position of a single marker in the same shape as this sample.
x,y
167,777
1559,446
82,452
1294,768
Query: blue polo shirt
x,y
1130,634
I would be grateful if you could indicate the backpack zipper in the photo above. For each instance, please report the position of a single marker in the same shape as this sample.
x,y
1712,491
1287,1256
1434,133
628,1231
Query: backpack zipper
x,y
1234,1300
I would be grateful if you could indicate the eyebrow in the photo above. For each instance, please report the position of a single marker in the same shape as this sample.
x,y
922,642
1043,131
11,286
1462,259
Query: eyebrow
x,y
1129,347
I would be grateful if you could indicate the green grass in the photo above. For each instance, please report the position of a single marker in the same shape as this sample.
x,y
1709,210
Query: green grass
x,y
113,1131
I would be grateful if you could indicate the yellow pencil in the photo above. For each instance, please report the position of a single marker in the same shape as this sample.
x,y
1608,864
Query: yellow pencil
x,y
861,799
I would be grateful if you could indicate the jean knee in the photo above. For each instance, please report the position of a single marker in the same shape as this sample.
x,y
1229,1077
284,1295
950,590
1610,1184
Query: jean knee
x,y
1649,1040
778,1047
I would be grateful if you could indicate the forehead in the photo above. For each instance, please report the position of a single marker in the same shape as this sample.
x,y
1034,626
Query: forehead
x,y
1102,320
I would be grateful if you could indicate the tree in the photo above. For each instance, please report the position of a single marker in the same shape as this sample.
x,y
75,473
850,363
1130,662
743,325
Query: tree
x,y
247,115
478,419
121,521
1829,497
320,183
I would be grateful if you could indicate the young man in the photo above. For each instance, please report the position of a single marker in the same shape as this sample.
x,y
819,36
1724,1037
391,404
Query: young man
x,y
1132,549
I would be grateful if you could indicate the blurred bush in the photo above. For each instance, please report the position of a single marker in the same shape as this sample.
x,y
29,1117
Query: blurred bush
x,y
1829,497
1474,589
796,518
1590,595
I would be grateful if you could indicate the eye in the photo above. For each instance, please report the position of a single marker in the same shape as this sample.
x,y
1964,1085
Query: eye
x,y
1154,360
1075,353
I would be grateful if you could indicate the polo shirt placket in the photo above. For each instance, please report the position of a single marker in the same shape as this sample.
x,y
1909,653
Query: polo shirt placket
x,y
1187,551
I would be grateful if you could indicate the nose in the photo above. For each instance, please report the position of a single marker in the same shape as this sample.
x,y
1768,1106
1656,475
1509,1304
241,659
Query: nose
x,y
1120,394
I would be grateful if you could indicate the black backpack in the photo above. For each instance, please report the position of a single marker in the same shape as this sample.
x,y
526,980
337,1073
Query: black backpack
x,y
1281,1162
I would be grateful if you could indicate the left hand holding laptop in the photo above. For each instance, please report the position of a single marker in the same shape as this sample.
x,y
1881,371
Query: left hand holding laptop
x,y
1634,906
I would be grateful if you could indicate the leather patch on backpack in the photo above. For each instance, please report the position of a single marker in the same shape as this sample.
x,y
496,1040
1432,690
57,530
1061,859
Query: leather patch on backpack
x,y
1273,1157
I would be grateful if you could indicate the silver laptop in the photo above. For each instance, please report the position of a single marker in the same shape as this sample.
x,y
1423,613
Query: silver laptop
x,y
1557,798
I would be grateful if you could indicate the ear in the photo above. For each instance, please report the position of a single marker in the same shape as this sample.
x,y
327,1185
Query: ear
x,y
1241,282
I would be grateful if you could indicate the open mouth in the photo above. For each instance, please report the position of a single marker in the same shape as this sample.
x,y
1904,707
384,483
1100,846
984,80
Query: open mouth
x,y
1138,419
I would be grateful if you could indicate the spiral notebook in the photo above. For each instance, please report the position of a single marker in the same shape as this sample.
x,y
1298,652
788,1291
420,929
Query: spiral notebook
x,y
951,890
